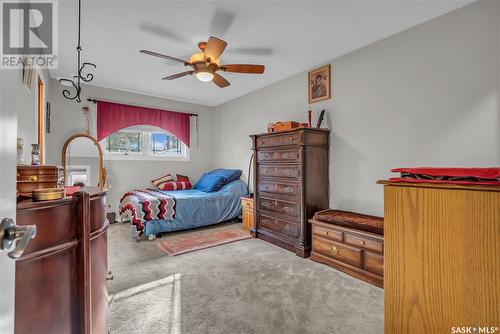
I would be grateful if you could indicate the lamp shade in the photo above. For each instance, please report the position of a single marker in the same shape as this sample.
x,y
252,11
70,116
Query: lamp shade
x,y
204,76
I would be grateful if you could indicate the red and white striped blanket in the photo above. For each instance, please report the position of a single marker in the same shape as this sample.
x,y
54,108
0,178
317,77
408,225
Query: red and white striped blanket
x,y
140,206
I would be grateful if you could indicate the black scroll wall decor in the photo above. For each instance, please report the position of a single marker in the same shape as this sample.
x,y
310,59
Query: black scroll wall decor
x,y
73,93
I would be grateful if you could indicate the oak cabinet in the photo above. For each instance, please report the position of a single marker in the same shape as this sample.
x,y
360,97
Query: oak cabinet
x,y
442,257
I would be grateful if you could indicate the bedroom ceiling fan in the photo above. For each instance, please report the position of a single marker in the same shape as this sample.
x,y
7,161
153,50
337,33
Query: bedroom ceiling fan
x,y
206,63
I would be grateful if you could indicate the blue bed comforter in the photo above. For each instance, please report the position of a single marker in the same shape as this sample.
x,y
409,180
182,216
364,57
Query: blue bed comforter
x,y
194,208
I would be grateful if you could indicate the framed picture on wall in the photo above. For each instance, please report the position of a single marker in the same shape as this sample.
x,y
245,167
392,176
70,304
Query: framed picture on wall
x,y
47,117
319,84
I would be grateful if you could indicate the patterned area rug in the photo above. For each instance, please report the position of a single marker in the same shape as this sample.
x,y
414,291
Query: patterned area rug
x,y
199,241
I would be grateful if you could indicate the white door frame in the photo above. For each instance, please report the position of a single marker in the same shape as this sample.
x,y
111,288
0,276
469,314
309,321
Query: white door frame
x,y
10,81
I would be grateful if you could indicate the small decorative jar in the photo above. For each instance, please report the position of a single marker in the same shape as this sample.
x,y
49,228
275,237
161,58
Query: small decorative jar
x,y
270,127
35,155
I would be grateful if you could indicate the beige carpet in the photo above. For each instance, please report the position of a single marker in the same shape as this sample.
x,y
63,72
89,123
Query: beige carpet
x,y
249,286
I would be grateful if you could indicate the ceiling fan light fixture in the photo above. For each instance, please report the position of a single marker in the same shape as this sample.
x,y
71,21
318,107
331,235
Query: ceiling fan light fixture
x,y
197,57
205,64
204,76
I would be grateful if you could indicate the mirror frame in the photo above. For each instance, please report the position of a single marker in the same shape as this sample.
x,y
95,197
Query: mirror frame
x,y
102,172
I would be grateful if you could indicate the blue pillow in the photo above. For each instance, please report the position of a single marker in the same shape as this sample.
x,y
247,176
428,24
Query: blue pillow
x,y
229,174
210,182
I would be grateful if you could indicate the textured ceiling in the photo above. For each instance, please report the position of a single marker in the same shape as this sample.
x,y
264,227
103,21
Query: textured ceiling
x,y
286,36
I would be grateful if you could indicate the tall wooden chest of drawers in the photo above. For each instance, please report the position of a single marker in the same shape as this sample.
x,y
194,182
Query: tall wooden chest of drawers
x,y
290,185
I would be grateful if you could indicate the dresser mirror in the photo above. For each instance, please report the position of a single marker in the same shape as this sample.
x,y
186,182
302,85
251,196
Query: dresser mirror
x,y
82,161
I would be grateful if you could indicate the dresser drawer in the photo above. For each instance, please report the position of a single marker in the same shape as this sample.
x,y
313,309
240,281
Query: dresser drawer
x,y
291,209
360,241
247,202
292,155
292,172
327,233
30,178
374,263
278,225
292,189
338,251
278,140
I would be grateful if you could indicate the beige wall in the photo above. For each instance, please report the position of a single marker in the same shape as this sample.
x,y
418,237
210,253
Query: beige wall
x,y
68,119
428,96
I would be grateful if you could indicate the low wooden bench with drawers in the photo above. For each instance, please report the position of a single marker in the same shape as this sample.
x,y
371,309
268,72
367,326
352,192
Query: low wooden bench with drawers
x,y
350,242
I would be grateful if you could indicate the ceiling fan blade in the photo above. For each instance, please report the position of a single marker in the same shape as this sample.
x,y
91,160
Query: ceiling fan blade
x,y
178,75
214,48
243,68
220,81
221,21
151,53
162,32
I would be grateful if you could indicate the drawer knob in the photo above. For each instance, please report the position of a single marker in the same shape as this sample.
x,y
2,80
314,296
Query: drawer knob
x,y
361,242
334,251
326,233
30,179
288,172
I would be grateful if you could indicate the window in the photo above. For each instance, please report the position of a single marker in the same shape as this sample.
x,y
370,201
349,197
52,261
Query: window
x,y
124,142
144,143
162,143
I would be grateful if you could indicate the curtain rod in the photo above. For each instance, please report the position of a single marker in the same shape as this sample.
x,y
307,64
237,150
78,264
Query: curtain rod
x,y
95,101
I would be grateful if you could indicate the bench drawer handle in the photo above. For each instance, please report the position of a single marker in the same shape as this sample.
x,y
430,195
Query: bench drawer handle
x,y
334,251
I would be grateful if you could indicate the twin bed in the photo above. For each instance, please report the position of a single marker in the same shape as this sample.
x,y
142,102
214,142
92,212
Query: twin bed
x,y
156,211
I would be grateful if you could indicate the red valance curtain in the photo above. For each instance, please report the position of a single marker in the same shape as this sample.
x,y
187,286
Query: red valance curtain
x,y
112,117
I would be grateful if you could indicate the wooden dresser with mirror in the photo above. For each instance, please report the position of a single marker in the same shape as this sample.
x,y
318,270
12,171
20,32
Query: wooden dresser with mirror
x,y
61,275
290,185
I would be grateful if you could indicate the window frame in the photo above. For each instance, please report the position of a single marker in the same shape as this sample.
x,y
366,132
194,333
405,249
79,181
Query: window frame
x,y
146,151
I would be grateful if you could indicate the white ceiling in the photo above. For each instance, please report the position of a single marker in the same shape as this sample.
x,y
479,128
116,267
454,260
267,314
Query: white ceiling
x,y
286,36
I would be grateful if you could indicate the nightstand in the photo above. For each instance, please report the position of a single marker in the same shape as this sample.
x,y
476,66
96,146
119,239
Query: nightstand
x,y
247,205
